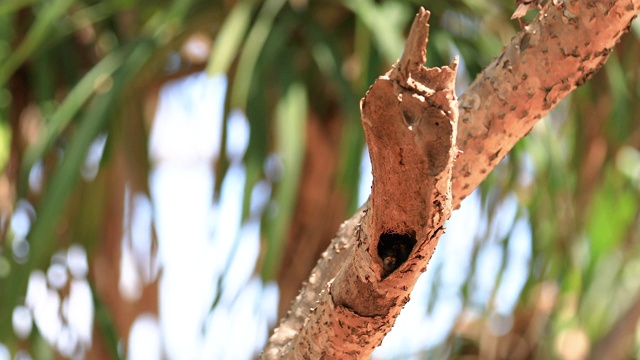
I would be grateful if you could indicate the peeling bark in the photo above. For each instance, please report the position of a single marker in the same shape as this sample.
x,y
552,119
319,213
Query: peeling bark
x,y
557,52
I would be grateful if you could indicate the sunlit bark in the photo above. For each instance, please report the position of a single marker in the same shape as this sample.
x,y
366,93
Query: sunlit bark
x,y
556,53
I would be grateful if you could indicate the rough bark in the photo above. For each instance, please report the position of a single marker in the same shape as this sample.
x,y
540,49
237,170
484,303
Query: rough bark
x,y
409,116
557,52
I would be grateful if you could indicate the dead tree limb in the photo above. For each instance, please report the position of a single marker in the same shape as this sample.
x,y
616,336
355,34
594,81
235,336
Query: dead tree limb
x,y
557,52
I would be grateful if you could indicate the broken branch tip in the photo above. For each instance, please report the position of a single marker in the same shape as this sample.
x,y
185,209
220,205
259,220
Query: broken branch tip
x,y
454,63
422,12
415,50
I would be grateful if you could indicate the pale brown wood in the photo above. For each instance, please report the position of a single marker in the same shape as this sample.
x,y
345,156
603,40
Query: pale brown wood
x,y
557,52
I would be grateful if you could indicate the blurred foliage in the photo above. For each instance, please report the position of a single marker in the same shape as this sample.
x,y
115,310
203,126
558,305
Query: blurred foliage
x,y
73,70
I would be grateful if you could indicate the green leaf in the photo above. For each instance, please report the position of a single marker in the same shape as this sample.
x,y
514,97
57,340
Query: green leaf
x,y
610,214
94,121
49,210
386,22
229,39
105,323
45,21
9,6
251,52
258,149
291,117
69,108
622,124
5,144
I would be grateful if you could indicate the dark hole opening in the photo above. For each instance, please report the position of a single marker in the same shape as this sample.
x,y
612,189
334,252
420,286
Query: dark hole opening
x,y
408,119
394,250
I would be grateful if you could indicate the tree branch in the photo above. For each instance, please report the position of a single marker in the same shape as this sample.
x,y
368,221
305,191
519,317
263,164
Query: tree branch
x,y
559,51
409,117
556,53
